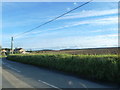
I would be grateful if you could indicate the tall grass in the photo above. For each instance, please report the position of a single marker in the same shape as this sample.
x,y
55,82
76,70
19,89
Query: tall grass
x,y
99,67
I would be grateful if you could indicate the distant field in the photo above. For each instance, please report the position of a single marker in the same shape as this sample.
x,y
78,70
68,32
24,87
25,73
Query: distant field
x,y
97,67
93,51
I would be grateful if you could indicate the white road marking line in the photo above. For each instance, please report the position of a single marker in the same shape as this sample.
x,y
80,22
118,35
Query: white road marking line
x,y
7,65
83,85
49,85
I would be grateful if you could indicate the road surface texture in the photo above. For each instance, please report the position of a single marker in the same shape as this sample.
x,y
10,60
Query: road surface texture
x,y
18,75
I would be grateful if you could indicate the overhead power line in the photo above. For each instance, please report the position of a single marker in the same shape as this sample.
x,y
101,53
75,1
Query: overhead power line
x,y
53,19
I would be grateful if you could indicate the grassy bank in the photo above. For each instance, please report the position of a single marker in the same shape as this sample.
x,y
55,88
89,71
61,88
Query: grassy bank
x,y
1,56
98,67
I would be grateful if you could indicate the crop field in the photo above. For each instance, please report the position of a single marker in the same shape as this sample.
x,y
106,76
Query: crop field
x,y
91,51
96,67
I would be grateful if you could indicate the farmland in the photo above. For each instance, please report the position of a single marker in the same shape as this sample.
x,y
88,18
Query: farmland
x,y
96,67
89,51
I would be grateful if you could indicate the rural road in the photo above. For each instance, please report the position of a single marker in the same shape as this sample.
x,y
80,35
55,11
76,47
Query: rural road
x,y
18,75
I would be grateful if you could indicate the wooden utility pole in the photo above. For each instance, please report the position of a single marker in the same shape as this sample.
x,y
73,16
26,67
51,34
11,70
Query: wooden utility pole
x,y
12,45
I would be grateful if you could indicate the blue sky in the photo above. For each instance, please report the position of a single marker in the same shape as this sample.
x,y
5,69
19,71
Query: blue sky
x,y
93,25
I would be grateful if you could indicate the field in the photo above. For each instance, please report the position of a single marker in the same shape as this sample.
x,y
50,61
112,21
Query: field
x,y
96,67
90,51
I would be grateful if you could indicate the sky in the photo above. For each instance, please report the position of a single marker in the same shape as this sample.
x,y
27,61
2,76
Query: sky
x,y
91,26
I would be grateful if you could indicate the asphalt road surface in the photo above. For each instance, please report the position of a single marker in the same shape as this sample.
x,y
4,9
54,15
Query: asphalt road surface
x,y
18,75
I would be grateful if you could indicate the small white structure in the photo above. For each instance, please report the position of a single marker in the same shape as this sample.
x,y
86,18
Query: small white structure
x,y
19,50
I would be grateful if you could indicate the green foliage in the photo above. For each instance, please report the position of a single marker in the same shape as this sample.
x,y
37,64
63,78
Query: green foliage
x,y
99,67
1,56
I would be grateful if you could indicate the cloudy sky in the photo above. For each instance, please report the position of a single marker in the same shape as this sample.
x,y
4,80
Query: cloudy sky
x,y
93,25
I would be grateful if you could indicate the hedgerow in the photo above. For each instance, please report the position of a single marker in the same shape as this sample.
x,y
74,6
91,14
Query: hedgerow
x,y
98,67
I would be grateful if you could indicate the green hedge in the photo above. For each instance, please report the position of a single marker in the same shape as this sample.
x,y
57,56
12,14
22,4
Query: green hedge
x,y
98,67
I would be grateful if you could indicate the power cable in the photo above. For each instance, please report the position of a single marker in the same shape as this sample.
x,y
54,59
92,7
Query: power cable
x,y
53,19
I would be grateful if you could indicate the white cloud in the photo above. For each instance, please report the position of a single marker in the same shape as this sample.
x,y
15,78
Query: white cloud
x,y
101,21
75,3
81,42
108,40
108,29
90,13
68,9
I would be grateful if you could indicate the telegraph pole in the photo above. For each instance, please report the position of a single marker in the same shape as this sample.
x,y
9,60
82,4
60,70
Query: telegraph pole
x,y
11,45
